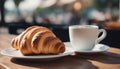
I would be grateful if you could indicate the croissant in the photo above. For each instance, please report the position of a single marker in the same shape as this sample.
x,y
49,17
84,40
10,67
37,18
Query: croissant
x,y
38,40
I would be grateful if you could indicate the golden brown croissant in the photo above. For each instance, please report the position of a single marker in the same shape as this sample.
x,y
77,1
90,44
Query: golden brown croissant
x,y
38,40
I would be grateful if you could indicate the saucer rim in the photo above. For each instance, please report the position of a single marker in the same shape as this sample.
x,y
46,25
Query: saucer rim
x,y
91,51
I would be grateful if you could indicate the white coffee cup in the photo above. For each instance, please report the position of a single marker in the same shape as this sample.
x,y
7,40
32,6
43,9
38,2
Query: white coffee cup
x,y
85,37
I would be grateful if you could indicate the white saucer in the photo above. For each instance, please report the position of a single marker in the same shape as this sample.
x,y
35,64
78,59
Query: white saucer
x,y
16,54
98,48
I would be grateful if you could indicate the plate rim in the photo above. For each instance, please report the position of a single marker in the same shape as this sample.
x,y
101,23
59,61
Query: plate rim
x,y
3,52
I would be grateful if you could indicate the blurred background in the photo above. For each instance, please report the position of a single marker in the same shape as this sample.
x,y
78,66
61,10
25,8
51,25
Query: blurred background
x,y
58,15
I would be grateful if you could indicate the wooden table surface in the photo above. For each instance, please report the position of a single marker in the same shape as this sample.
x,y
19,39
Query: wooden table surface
x,y
112,25
105,60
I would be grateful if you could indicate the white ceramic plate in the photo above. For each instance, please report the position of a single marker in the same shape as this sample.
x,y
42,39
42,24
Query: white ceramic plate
x,y
16,54
69,50
98,48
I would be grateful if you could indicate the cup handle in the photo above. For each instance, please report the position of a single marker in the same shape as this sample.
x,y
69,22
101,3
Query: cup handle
x,y
104,33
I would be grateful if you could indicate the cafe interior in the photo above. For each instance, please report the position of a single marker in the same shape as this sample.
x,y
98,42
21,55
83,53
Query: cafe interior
x,y
58,15
35,34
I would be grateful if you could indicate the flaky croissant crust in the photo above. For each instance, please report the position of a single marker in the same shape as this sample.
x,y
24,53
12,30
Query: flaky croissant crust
x,y
38,40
